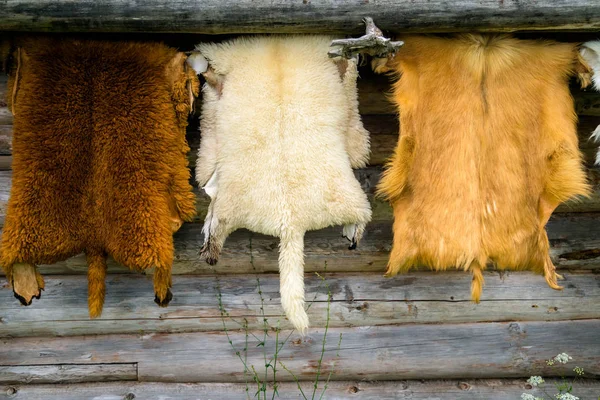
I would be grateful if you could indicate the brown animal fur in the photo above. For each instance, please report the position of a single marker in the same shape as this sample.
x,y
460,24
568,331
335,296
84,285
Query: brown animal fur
x,y
488,149
99,159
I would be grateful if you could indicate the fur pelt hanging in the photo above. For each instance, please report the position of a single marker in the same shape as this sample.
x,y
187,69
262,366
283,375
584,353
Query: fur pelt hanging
x,y
99,160
590,52
488,149
280,135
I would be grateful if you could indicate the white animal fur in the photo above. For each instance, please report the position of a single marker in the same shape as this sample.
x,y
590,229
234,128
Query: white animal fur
x,y
279,140
590,51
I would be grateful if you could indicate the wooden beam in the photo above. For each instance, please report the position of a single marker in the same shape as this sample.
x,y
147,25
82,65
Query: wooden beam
x,y
495,389
432,351
316,16
574,244
71,373
384,137
360,299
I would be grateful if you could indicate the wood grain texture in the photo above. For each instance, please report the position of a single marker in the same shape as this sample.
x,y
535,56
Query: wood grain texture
x,y
574,241
449,351
384,137
496,389
574,244
365,299
71,373
316,16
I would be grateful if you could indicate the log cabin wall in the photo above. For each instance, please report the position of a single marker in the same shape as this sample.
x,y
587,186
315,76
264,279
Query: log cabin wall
x,y
413,336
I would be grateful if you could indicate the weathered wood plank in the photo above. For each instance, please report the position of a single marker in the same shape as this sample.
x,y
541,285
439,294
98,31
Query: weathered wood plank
x,y
340,16
70,373
373,92
384,137
461,351
497,389
357,300
574,241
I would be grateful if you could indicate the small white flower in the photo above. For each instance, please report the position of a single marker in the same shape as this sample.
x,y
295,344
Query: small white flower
x,y
535,380
578,371
527,396
566,396
563,358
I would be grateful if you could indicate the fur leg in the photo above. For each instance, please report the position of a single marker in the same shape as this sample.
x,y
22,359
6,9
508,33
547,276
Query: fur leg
x,y
215,234
477,283
291,275
96,261
176,223
162,286
545,210
27,283
353,232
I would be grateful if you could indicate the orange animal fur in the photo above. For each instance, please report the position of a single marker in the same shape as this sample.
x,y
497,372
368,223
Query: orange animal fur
x,y
488,149
99,160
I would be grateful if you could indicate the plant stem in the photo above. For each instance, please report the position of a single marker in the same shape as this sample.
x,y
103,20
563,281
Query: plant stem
x,y
295,379
320,363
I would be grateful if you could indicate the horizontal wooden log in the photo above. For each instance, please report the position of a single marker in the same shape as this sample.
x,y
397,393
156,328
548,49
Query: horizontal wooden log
x,y
72,373
461,351
384,137
262,16
496,389
365,299
574,241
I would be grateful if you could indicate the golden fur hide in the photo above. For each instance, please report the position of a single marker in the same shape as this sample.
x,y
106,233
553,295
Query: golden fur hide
x,y
99,160
280,135
488,149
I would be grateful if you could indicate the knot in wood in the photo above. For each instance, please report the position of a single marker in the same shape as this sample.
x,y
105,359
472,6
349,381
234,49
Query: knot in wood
x,y
353,389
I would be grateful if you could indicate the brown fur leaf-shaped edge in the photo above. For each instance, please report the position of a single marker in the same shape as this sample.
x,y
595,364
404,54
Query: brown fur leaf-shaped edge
x,y
488,149
99,158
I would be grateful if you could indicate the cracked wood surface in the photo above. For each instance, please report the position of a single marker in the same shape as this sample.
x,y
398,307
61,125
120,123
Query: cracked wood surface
x,y
574,244
365,299
391,352
492,389
301,16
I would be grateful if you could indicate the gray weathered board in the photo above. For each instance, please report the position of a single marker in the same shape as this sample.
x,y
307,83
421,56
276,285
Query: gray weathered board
x,y
391,352
491,389
358,299
301,16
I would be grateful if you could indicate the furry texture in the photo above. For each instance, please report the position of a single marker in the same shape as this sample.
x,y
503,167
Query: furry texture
x,y
280,135
99,160
590,52
488,149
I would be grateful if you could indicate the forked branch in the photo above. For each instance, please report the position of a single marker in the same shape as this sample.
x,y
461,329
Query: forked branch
x,y
372,43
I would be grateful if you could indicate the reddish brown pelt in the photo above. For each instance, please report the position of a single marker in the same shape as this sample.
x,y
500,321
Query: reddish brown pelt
x,y
99,158
488,149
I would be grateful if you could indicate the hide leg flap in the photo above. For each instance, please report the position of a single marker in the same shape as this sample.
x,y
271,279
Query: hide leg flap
x,y
291,276
546,208
96,260
27,282
477,281
353,232
215,234
162,286
215,231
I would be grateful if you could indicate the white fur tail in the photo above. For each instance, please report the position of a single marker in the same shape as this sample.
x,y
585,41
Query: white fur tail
x,y
291,275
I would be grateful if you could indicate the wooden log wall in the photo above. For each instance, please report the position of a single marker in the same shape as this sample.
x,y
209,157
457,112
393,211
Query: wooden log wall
x,y
302,16
414,336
